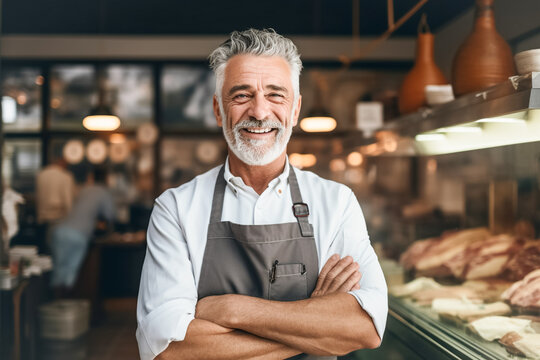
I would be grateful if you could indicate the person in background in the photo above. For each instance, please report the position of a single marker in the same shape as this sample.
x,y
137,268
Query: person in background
x,y
257,259
71,236
55,190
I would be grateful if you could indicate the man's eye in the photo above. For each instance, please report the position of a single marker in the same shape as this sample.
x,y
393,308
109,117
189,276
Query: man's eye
x,y
276,95
240,96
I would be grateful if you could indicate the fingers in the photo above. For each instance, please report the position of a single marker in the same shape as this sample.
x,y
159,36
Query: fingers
x,y
324,272
337,275
334,273
342,278
352,283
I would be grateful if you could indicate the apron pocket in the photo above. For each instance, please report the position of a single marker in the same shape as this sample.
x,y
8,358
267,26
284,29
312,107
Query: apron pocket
x,y
290,283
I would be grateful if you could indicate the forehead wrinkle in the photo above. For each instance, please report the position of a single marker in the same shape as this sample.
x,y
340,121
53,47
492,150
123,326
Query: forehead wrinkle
x,y
249,87
253,70
239,87
277,88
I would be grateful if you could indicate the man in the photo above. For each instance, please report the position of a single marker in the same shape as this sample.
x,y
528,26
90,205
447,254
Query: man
x,y
234,265
71,236
55,189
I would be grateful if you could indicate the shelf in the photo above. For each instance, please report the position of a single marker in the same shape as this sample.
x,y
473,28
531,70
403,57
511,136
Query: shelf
x,y
505,114
519,93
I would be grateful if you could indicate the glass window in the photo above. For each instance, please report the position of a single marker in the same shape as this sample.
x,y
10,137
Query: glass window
x,y
130,94
129,165
187,93
182,159
73,92
20,163
21,99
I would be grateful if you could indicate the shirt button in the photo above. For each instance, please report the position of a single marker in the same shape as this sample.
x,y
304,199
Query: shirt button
x,y
279,191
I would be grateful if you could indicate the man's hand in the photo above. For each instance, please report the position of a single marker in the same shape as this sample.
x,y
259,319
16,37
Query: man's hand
x,y
337,275
295,324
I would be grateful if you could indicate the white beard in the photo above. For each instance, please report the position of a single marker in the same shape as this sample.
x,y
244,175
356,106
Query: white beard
x,y
257,152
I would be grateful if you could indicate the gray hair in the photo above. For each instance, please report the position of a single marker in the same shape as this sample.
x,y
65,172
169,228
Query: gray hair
x,y
264,42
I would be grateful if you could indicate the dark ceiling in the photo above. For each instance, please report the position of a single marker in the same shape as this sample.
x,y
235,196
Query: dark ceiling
x,y
208,17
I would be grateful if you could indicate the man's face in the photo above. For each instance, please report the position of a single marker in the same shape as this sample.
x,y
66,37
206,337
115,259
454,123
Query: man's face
x,y
259,110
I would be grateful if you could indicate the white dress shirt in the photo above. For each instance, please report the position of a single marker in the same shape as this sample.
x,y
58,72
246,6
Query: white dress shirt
x,y
176,242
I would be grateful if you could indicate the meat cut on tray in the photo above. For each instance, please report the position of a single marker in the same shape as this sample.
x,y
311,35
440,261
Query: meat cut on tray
x,y
525,293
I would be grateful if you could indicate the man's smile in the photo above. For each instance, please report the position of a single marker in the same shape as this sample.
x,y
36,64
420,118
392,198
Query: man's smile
x,y
256,132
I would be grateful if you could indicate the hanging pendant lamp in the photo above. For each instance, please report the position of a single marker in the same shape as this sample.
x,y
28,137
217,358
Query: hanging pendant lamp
x,y
318,118
101,117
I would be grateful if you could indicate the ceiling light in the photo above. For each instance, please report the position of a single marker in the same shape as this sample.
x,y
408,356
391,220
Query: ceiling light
x,y
318,118
302,160
117,139
337,165
355,159
101,122
502,120
101,117
461,129
496,131
430,137
318,124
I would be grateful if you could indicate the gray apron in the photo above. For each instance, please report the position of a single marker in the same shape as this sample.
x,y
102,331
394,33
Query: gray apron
x,y
275,262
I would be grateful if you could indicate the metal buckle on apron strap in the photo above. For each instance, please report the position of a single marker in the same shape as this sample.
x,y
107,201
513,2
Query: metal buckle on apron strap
x,y
300,209
301,212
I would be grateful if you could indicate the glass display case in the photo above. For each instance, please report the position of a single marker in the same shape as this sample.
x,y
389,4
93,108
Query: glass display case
x,y
475,290
411,321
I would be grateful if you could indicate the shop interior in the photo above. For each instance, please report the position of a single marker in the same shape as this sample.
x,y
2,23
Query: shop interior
x,y
448,176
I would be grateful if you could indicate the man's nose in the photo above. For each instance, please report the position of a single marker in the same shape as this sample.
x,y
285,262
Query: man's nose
x,y
259,107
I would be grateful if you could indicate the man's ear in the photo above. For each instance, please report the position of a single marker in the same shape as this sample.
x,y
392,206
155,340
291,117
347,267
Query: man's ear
x,y
297,110
217,112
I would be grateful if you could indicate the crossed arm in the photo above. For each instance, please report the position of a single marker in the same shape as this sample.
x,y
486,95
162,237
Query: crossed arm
x,y
241,327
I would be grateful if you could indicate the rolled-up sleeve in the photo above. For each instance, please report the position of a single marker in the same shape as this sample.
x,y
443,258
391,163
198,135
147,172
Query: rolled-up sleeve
x,y
352,239
167,293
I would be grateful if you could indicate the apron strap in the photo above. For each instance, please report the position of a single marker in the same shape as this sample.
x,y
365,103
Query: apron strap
x,y
300,209
219,194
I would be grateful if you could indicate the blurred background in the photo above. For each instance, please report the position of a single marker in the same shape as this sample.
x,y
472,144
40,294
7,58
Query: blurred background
x,y
146,64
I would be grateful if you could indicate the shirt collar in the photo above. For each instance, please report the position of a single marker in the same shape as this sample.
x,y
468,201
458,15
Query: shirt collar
x,y
236,183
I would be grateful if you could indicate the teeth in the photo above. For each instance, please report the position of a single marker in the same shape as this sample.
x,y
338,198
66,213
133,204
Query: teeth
x,y
259,131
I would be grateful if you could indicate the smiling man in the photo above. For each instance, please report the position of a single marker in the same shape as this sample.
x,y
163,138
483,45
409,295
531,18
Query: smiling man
x,y
256,259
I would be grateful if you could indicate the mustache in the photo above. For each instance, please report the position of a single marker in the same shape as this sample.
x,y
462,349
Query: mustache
x,y
259,123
